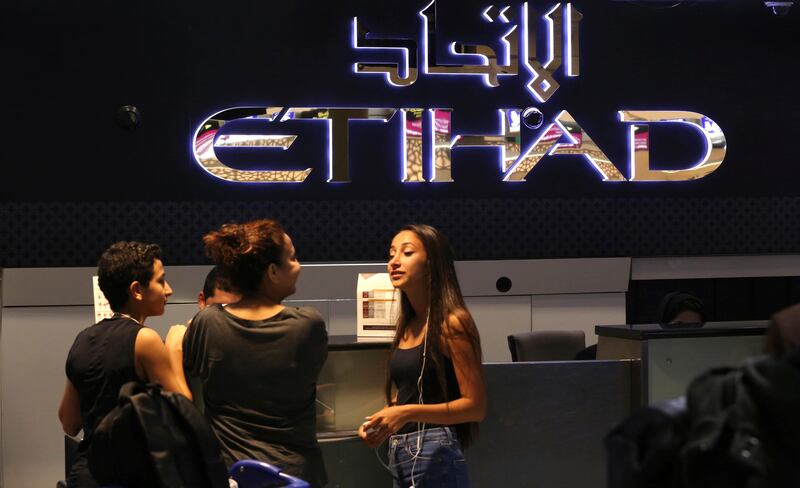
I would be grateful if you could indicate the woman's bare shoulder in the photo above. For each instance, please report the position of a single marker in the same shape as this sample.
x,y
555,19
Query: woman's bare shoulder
x,y
459,321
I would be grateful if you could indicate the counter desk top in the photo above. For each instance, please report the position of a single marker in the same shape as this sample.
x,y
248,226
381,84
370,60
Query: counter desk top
x,y
642,332
350,342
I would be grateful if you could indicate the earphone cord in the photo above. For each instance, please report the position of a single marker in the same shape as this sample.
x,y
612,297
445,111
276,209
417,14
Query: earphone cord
x,y
420,427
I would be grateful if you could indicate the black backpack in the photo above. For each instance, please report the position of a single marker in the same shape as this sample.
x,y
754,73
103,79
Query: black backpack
x,y
643,450
154,438
745,426
739,428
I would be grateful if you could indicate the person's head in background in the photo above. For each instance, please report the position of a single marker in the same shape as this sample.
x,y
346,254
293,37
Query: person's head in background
x,y
131,276
680,308
216,289
783,334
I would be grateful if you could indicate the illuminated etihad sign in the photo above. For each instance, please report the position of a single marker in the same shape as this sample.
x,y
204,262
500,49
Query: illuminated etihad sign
x,y
403,61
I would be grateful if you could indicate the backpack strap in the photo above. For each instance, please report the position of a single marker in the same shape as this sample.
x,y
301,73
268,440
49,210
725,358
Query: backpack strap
x,y
127,390
746,445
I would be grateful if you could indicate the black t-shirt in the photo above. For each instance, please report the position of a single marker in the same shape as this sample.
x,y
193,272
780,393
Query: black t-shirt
x,y
259,385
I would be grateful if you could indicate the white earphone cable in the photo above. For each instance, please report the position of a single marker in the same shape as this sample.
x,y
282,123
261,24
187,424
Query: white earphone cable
x,y
420,425
420,382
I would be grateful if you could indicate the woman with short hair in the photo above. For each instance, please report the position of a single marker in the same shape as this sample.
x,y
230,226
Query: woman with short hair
x,y
116,350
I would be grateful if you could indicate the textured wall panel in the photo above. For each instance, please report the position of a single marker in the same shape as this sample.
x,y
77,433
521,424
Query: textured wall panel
x,y
75,233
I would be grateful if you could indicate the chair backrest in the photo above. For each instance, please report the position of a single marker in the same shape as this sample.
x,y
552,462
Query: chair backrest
x,y
546,345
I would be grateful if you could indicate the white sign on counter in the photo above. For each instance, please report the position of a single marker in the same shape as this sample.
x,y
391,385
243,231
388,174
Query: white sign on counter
x,y
378,305
102,310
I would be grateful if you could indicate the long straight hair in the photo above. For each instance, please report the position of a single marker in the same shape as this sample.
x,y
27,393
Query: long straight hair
x,y
444,299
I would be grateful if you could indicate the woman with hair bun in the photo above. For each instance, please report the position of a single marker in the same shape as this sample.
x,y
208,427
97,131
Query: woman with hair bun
x,y
257,359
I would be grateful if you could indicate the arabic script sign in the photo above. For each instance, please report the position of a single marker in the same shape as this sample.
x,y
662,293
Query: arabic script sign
x,y
426,134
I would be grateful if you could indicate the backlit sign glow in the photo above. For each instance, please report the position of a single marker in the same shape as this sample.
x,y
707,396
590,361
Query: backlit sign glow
x,y
426,135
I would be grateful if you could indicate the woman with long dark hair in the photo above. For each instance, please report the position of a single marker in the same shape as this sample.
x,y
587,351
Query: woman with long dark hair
x,y
434,389
258,360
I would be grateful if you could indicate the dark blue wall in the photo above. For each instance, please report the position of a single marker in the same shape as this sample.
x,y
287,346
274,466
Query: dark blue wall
x,y
73,181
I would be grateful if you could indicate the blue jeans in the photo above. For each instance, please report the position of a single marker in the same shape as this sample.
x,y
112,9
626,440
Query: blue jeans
x,y
439,464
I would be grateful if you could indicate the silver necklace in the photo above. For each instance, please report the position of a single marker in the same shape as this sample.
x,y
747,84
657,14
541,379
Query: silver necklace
x,y
120,314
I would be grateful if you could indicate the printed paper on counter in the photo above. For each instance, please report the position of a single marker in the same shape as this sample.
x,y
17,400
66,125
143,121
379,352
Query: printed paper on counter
x,y
378,305
102,310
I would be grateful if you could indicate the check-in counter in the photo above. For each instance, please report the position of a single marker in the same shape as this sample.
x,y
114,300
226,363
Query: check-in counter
x,y
351,384
546,421
670,356
544,425
350,387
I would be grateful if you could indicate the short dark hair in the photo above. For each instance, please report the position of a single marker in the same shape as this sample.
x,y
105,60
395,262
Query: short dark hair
x,y
214,280
122,264
676,302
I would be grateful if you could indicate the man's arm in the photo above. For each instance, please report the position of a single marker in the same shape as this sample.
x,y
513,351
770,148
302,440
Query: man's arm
x,y
152,355
174,344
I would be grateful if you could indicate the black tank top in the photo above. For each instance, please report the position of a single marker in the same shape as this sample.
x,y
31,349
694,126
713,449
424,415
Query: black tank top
x,y
100,361
404,368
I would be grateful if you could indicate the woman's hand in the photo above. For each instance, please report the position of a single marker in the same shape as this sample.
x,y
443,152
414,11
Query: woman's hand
x,y
379,426
369,438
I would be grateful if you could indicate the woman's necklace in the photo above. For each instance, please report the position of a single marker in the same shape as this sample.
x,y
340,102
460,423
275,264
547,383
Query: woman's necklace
x,y
120,314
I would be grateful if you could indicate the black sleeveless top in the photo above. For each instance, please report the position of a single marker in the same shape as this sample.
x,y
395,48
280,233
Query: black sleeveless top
x,y
100,361
404,367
